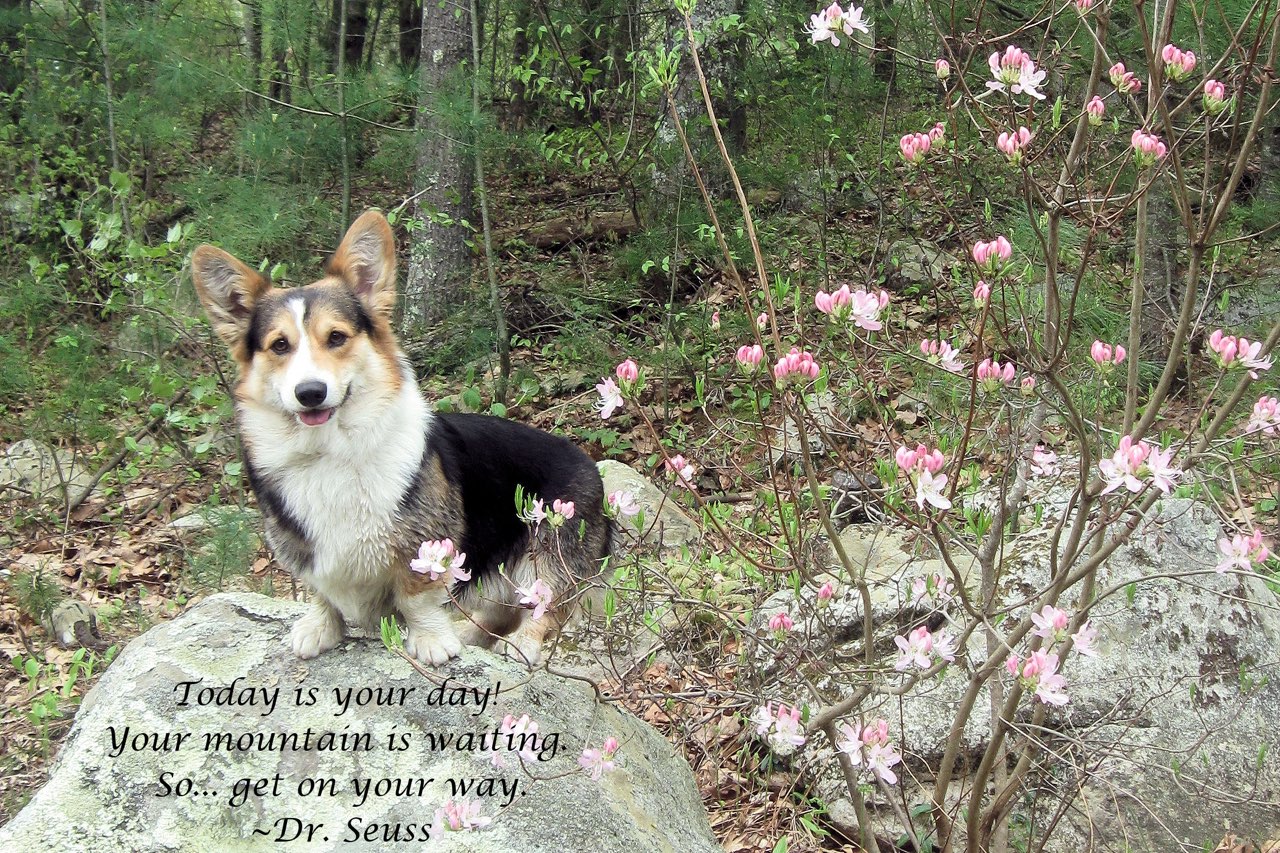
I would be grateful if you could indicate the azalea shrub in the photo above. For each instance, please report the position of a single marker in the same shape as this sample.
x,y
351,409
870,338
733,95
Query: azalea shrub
x,y
1085,128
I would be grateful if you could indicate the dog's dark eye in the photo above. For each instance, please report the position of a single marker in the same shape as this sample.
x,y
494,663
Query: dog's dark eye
x,y
336,339
280,347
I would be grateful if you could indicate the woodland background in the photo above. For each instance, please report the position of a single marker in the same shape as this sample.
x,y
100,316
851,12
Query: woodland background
x,y
549,226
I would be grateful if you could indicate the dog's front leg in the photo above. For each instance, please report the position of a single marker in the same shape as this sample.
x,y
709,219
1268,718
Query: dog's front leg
x,y
431,637
318,631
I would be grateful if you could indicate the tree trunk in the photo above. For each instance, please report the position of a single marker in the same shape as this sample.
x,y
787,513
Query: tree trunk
x,y
373,34
410,22
439,259
357,26
253,41
518,116
11,21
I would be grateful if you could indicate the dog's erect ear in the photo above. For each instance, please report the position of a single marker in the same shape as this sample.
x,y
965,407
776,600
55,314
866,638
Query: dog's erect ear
x,y
227,289
366,261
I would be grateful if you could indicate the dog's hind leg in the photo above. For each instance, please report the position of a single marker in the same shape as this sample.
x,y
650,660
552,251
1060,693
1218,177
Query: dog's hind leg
x,y
319,630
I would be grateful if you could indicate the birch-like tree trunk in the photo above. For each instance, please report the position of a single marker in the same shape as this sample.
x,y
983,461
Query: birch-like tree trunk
x,y
439,258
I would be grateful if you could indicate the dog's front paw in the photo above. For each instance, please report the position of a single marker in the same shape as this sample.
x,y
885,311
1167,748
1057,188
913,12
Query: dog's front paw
x,y
432,646
317,632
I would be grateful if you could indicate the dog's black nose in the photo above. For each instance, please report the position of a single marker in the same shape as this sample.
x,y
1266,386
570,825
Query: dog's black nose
x,y
311,394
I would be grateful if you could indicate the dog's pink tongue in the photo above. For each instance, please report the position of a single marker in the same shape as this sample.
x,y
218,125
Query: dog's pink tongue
x,y
315,417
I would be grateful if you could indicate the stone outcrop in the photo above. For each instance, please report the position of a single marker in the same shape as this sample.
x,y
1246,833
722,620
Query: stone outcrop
x,y
139,773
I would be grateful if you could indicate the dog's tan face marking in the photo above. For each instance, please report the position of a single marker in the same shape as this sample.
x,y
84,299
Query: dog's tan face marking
x,y
304,351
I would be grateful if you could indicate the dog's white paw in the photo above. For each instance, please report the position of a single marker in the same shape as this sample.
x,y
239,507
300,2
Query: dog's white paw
x,y
431,646
317,632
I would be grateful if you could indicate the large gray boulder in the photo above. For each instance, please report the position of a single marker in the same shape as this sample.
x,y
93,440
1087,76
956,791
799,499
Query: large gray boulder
x,y
119,782
1171,734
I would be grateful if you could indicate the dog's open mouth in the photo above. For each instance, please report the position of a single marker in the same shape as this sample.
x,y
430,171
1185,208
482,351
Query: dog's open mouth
x,y
315,417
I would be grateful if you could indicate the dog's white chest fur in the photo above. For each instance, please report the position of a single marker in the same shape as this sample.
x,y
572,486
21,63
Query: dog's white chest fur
x,y
343,483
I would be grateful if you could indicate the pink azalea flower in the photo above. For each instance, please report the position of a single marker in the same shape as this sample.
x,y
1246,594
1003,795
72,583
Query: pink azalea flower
x,y
781,623
826,593
610,397
628,372
1124,81
1215,97
563,511
1147,148
1265,417
1015,72
981,294
866,308
521,733
835,304
1178,64
715,321
869,747
1105,356
1096,109
992,374
828,24
1039,675
1133,462
796,365
1013,143
914,649
1051,623
942,69
683,471
535,513
762,321
1028,385
914,146
938,133
439,557
460,816
1242,552
537,596
941,354
781,728
599,761
1044,462
992,255
749,358
1083,6
622,504
933,591
944,646
1084,640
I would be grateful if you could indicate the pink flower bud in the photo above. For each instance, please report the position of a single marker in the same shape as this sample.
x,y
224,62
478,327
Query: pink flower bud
x,y
981,293
1013,143
1028,386
781,622
942,68
749,357
1215,97
914,146
1147,148
1096,109
762,321
1178,64
1123,80
1083,6
715,321
627,371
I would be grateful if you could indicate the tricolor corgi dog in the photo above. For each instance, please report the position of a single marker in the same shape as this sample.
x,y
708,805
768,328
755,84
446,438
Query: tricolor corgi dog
x,y
380,505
